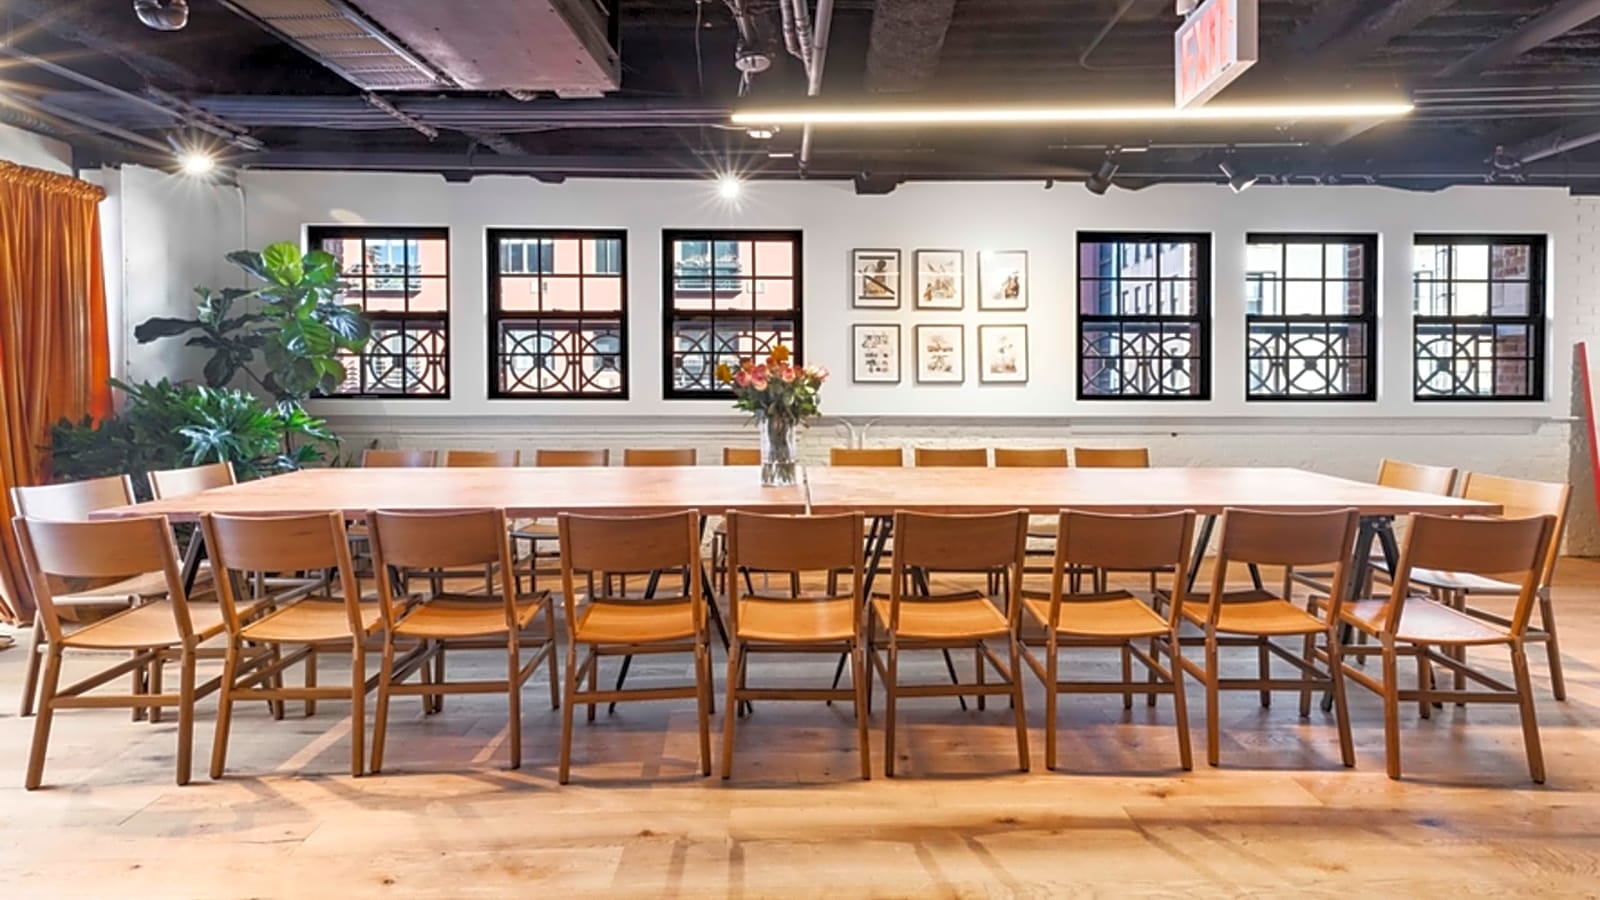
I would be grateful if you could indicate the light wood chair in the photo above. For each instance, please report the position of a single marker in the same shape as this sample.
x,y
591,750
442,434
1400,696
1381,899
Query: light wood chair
x,y
741,456
971,457
541,533
1402,476
959,620
321,615
1113,618
375,458
1407,625
190,480
1253,617
482,459
438,621
1517,498
1111,457
792,621
156,631
84,599
634,456
1030,458
866,456
731,456
570,458
603,623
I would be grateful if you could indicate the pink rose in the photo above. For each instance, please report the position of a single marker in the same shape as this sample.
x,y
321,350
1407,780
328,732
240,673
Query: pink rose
x,y
759,382
742,378
788,374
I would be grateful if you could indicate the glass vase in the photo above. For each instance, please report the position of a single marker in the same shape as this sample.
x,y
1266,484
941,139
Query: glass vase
x,y
780,462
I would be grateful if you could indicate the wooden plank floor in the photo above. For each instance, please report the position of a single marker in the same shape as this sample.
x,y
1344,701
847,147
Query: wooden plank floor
x,y
446,819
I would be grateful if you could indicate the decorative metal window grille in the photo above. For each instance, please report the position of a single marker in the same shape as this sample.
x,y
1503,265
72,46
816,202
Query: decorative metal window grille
x,y
1144,316
1311,317
1479,330
558,314
728,296
401,278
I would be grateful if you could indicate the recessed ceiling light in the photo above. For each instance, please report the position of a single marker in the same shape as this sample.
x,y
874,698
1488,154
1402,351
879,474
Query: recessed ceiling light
x,y
890,116
195,162
729,186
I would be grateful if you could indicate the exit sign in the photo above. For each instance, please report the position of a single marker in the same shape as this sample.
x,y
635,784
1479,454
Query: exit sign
x,y
1215,45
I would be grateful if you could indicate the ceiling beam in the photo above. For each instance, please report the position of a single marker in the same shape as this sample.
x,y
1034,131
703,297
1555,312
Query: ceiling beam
x,y
1375,30
1555,22
1572,137
905,42
79,23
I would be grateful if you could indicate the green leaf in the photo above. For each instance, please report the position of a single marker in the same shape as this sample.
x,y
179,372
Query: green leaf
x,y
252,262
321,267
283,263
162,327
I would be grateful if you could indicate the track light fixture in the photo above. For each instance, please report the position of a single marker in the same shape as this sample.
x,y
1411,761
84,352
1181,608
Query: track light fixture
x,y
1100,181
162,15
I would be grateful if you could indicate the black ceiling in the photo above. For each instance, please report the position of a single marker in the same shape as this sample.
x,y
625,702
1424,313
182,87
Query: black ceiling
x,y
1507,91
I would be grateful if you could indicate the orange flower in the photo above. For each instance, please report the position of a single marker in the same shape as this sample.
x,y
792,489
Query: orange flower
x,y
780,353
724,374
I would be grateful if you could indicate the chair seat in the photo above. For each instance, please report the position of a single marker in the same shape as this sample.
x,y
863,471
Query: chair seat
x,y
535,530
444,619
796,621
147,626
635,623
956,619
311,622
1044,527
1461,581
1114,615
1423,621
1254,613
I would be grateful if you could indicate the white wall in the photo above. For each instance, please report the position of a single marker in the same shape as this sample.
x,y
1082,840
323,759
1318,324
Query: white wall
x,y
29,149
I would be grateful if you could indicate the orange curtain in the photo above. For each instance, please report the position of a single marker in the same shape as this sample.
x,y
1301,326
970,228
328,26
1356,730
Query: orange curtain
x,y
54,351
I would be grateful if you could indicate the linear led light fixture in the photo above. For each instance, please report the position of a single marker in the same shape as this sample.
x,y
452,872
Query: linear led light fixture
x,y
866,116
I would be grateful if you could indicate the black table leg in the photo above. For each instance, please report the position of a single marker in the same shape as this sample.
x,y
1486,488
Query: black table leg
x,y
1207,523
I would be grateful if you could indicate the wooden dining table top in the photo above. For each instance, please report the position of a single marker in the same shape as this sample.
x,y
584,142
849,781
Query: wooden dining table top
x,y
532,491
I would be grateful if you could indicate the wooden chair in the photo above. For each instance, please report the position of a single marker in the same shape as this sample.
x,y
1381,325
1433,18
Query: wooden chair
x,y
568,458
374,458
634,456
1111,458
791,621
482,459
975,457
741,456
322,615
1403,476
190,480
731,456
1253,617
439,621
543,531
1113,618
960,620
1030,458
866,456
159,630
603,623
1517,499
1408,625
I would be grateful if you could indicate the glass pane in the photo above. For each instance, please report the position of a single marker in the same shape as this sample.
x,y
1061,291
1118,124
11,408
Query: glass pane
x,y
602,257
602,293
1345,298
734,293
1508,299
731,258
1512,261
519,293
428,294
1097,298
1265,258
1263,296
348,252
560,293
380,300
774,259
1346,260
1177,298
1136,298
1471,299
1179,260
1470,261
1303,298
774,293
1304,261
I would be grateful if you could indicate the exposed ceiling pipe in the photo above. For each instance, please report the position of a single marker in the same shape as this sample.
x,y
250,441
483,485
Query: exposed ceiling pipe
x,y
1557,143
1559,20
1094,43
45,109
819,59
404,118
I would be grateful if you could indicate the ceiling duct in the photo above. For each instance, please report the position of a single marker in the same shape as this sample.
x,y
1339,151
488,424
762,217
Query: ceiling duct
x,y
337,35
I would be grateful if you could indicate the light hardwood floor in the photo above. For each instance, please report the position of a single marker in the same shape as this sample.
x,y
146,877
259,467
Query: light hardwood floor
x,y
1281,816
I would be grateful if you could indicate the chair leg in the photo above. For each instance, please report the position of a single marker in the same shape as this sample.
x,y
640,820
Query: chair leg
x,y
891,682
977,666
42,718
1530,719
1180,704
1127,676
552,669
702,677
276,681
1424,684
1391,709
1051,699
437,700
380,720
1150,675
513,698
858,680
358,705
219,741
153,685
186,715
1309,654
311,682
30,678
564,766
140,678
1264,668
1341,698
730,714
594,681
1017,709
1552,646
1213,705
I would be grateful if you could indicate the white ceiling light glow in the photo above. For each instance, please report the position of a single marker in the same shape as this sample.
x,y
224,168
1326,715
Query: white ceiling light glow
x,y
729,186
890,116
194,162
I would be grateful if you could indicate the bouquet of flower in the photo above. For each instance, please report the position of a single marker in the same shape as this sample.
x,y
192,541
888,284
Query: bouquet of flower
x,y
781,396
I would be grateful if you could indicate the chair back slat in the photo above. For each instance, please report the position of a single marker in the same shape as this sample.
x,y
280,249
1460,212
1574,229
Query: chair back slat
x,y
66,551
627,544
882,457
1288,539
560,458
1504,549
482,459
73,501
678,456
741,456
438,540
1030,457
1414,477
243,545
959,543
1111,458
972,457
1125,543
191,480
793,543
374,458
1520,498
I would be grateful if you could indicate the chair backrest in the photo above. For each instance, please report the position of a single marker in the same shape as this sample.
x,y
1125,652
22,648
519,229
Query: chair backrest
x,y
55,552
1414,477
793,545
1116,543
741,456
1111,457
566,459
453,539
1288,539
634,456
1511,549
249,544
866,456
192,480
482,459
374,458
988,543
1519,498
977,457
73,501
625,545
1030,458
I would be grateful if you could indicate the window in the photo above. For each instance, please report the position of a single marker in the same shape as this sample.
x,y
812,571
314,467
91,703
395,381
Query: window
x,y
1479,317
558,314
401,278
1311,317
728,295
1144,316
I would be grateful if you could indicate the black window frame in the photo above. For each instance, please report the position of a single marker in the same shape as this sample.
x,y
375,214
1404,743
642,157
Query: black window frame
x,y
670,315
1202,317
1538,330
317,234
497,316
1368,316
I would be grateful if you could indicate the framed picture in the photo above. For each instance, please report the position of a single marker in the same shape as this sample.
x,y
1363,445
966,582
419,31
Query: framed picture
x,y
940,280
875,279
1003,280
1003,354
940,354
876,354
